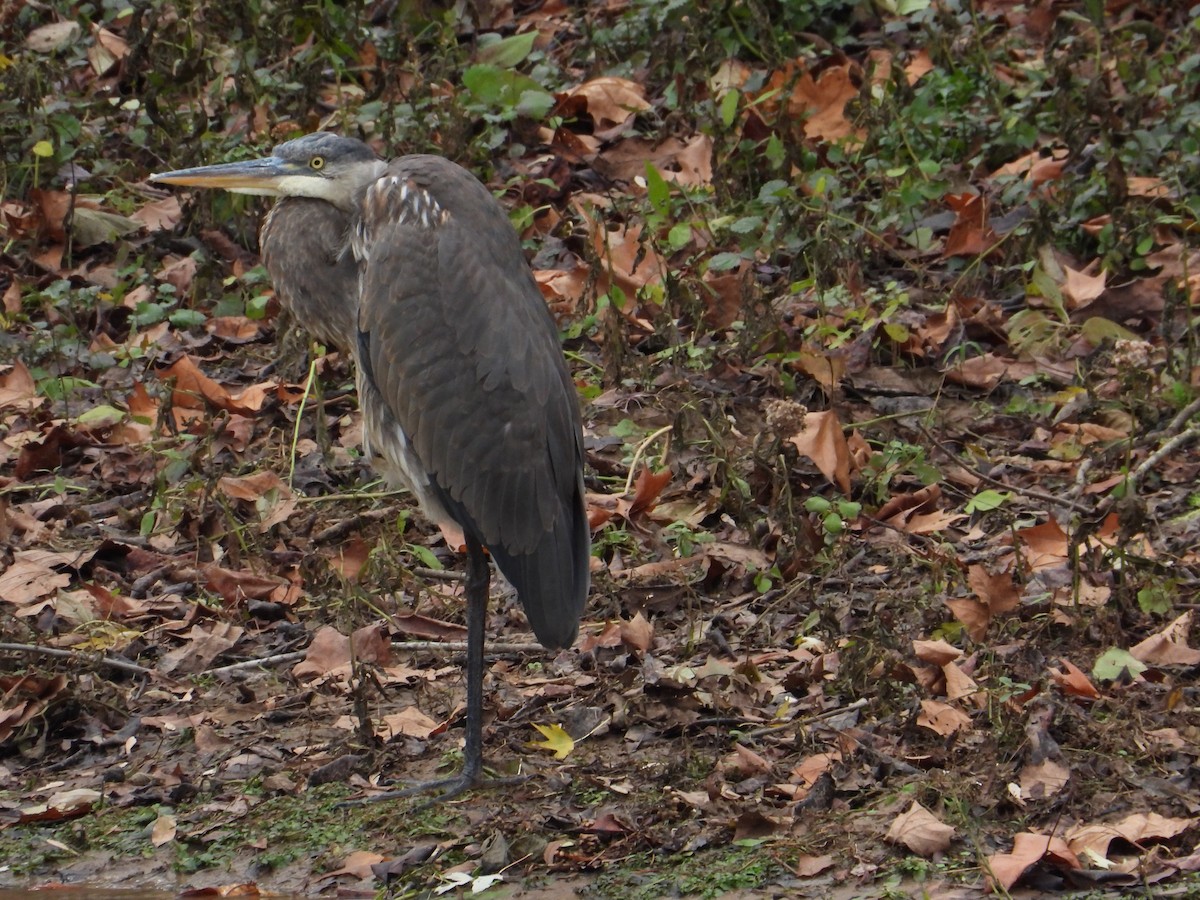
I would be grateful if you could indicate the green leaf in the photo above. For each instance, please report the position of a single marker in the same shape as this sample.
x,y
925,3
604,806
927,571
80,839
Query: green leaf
x,y
658,190
724,261
679,236
186,318
426,556
729,107
101,415
498,87
747,224
1098,330
44,149
535,104
1155,600
1116,663
506,52
985,501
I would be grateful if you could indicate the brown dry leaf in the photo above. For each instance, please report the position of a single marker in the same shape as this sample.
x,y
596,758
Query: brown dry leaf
x,y
1074,682
1168,647
939,653
271,497
753,825
193,387
827,369
1148,186
819,102
1081,288
919,65
1044,546
959,685
358,864
647,489
805,866
29,578
24,698
1137,828
996,591
236,329
371,644
1005,869
610,101
638,633
983,372
328,652
160,215
252,487
942,718
18,390
742,762
823,440
409,721
431,629
626,261
725,297
970,235
202,647
238,586
920,831
1040,781
350,558
1035,167
564,289
163,830
685,163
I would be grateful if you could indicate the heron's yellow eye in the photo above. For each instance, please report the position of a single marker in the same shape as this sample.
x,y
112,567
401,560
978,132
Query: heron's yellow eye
x,y
317,163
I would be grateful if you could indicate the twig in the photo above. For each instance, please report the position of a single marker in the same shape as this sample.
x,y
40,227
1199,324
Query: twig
x,y
461,646
340,529
641,448
297,655
1184,437
1031,493
294,656
437,574
99,659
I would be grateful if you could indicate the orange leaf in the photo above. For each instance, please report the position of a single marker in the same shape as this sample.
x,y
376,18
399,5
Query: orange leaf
x,y
823,441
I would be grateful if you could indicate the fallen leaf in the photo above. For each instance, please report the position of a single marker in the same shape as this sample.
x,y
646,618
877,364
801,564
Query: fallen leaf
x,y
1043,780
557,741
1168,647
920,831
823,441
942,718
1005,869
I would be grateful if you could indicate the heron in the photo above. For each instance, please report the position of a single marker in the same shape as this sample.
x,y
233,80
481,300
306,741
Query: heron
x,y
413,268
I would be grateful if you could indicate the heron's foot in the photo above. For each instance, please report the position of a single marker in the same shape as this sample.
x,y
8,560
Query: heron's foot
x,y
446,788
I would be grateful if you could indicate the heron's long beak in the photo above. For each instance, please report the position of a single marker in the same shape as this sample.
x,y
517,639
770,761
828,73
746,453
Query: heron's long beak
x,y
254,176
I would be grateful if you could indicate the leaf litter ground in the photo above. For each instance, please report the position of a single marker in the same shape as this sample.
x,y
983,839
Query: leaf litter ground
x,y
893,588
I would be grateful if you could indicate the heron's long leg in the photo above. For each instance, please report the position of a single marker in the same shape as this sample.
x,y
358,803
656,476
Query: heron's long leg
x,y
478,579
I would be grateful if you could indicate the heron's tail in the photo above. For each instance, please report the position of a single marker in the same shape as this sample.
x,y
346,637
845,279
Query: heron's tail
x,y
552,581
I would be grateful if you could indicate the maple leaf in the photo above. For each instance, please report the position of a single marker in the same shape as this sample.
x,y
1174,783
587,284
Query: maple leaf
x,y
557,741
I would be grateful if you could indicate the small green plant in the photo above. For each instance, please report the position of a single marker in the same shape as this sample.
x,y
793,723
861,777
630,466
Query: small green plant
x,y
834,515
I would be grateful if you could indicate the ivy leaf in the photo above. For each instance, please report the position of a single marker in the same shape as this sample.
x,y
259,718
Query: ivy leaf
x,y
1114,663
506,52
985,501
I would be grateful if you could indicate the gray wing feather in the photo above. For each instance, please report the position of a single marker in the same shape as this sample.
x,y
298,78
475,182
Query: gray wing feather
x,y
459,342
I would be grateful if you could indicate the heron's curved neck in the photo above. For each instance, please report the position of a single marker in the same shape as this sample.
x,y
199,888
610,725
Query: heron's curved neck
x,y
358,181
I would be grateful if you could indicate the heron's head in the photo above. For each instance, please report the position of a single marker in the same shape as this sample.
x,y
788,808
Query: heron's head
x,y
321,165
